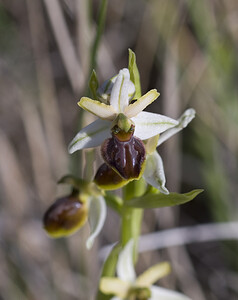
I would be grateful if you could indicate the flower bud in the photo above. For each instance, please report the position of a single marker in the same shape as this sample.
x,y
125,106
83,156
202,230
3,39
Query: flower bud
x,y
106,178
65,216
124,153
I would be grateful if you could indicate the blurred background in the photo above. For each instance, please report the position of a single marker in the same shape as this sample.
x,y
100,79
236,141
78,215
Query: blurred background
x,y
187,49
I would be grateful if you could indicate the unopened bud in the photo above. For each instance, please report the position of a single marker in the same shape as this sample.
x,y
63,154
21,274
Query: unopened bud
x,y
65,216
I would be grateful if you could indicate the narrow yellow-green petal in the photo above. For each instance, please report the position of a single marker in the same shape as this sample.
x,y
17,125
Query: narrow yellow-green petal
x,y
133,109
153,274
103,111
115,286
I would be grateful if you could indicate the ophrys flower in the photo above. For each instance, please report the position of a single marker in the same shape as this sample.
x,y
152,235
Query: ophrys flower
x,y
120,92
129,287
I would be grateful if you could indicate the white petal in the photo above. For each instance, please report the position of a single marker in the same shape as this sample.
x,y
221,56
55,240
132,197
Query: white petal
x,y
91,136
184,120
98,108
97,216
159,293
150,124
125,266
140,104
154,172
121,91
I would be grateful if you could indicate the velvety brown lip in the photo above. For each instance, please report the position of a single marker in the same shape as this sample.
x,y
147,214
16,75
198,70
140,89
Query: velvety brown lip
x,y
125,157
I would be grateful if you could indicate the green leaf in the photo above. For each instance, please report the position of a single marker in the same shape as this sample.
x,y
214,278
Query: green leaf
x,y
162,200
93,84
134,73
109,269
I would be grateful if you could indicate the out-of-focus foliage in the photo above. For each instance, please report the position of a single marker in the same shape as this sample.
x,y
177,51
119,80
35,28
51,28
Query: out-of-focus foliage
x,y
187,49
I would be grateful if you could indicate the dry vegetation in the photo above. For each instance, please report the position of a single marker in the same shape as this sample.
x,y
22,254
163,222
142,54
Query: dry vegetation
x,y
187,49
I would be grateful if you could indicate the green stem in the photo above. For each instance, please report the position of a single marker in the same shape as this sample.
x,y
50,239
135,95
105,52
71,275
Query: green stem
x,y
131,227
132,217
109,269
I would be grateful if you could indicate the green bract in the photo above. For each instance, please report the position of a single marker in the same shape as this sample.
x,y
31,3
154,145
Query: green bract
x,y
134,73
162,200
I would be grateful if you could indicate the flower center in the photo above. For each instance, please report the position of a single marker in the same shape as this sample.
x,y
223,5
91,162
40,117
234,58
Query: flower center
x,y
139,294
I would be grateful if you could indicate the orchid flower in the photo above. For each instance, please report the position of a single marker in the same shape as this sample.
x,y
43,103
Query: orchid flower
x,y
127,287
154,170
68,214
118,93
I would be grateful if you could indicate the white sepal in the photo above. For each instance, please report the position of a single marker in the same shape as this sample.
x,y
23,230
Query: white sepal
x,y
97,216
150,124
183,121
91,136
125,266
158,293
123,89
154,172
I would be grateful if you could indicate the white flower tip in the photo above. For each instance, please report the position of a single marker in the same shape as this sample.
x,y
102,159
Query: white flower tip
x,y
163,190
125,72
186,117
73,146
156,92
89,243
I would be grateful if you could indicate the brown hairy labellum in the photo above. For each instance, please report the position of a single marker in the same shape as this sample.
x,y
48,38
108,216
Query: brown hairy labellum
x,y
124,153
108,179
